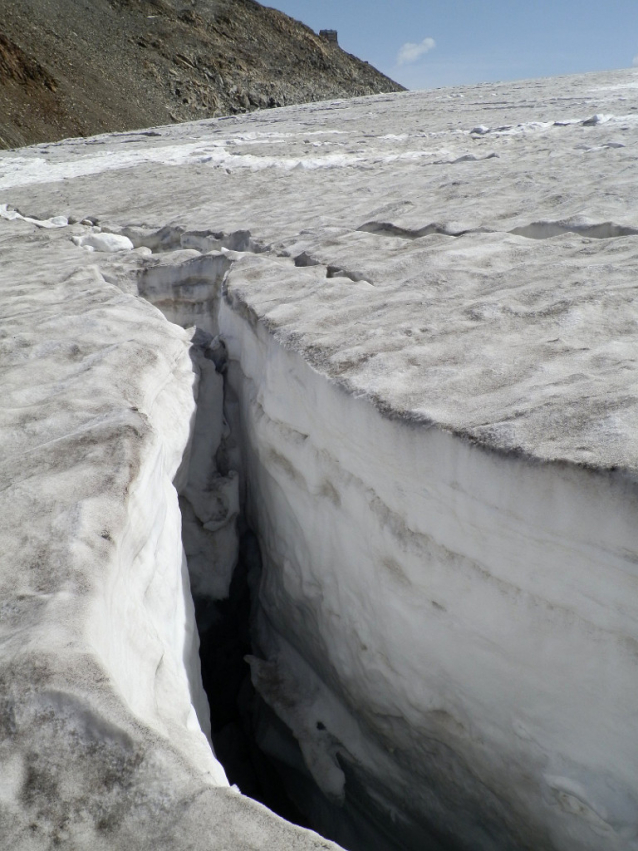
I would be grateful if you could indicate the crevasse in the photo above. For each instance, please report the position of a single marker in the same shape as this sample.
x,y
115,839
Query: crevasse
x,y
432,617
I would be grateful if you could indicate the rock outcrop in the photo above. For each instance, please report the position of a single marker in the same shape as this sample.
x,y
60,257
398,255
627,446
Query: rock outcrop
x,y
126,64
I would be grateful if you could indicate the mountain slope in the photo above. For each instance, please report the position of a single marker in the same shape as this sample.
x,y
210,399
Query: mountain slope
x,y
80,67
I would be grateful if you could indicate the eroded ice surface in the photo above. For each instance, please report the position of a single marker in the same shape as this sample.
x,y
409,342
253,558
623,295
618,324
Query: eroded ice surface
x,y
431,320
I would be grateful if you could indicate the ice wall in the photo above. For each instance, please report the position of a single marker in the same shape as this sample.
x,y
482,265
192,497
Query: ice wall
x,y
451,627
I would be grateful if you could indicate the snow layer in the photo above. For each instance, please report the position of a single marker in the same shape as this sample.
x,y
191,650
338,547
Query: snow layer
x,y
433,347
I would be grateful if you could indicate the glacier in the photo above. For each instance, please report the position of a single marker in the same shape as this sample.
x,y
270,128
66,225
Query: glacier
x,y
395,338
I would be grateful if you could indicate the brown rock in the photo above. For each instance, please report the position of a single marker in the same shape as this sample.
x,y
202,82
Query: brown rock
x,y
115,72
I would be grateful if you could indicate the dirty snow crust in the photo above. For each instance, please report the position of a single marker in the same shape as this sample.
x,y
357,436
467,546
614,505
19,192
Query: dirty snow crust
x,y
479,261
429,306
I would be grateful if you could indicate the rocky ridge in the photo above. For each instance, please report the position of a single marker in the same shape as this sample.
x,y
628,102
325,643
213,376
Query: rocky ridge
x,y
76,69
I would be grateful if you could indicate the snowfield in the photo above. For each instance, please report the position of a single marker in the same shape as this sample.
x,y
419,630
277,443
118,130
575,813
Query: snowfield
x,y
414,377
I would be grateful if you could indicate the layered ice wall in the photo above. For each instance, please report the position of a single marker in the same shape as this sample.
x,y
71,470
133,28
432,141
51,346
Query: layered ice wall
x,y
449,626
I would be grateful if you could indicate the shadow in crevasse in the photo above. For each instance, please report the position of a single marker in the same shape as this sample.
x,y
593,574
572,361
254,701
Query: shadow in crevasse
x,y
235,707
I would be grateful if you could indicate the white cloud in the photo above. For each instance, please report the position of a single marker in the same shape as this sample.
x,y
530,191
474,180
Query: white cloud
x,y
635,62
411,52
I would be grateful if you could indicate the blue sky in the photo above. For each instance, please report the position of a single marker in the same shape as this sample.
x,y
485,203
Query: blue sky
x,y
452,42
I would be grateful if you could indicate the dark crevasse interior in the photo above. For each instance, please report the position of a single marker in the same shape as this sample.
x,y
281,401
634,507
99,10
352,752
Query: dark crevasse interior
x,y
224,631
188,292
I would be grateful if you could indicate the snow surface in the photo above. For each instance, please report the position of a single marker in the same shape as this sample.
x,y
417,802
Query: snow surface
x,y
431,320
